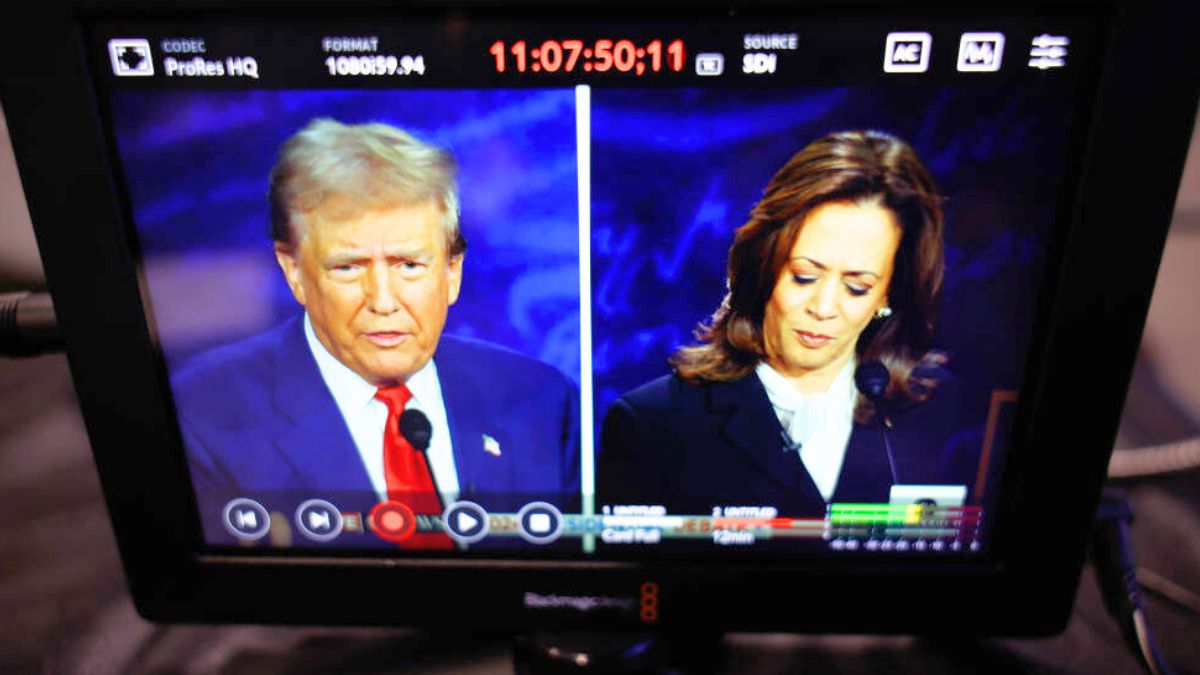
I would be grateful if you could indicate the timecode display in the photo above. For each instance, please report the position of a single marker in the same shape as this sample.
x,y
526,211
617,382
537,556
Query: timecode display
x,y
599,56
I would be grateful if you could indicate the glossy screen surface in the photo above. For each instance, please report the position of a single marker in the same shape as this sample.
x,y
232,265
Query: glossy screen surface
x,y
602,170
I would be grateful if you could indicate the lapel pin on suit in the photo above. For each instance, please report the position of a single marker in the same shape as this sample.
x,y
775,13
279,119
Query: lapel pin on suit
x,y
491,446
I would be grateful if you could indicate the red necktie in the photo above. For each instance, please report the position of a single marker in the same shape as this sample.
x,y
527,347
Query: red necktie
x,y
406,470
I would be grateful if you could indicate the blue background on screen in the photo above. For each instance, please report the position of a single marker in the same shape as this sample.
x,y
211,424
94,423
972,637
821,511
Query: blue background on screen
x,y
196,166
674,172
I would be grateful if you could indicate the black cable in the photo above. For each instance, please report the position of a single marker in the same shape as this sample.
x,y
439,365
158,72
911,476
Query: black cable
x,y
28,325
1116,573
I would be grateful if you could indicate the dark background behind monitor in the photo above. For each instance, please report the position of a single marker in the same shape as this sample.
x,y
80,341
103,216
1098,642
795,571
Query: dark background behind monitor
x,y
1160,115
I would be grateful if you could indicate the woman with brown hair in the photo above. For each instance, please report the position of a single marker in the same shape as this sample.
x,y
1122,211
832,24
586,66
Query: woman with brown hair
x,y
800,390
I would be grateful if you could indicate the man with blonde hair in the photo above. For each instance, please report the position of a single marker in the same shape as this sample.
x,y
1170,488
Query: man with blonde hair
x,y
361,402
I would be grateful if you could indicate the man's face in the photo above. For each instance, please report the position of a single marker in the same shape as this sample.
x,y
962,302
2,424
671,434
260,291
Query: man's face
x,y
377,287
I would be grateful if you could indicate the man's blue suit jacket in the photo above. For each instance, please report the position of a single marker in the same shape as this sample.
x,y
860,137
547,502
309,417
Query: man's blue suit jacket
x,y
259,422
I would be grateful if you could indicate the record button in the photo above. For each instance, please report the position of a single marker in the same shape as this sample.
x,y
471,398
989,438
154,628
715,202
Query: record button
x,y
392,521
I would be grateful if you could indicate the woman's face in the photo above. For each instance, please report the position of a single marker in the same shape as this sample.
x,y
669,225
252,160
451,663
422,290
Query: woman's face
x,y
833,282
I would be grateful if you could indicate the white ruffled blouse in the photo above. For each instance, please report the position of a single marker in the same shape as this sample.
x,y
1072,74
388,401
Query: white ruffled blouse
x,y
818,424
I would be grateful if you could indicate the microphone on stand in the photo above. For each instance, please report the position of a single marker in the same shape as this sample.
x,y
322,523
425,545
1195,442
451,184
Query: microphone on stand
x,y
414,426
872,379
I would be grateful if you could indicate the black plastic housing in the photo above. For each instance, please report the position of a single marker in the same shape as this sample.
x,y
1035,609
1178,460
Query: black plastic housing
x,y
1085,344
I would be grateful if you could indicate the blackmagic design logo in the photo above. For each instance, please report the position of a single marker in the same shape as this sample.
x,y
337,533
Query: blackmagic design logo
x,y
645,605
579,603
649,607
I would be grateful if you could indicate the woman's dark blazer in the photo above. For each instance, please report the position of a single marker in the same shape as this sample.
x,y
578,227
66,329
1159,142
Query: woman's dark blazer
x,y
691,447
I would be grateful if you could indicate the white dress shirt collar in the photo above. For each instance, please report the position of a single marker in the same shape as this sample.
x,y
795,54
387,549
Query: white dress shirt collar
x,y
349,390
365,416
819,424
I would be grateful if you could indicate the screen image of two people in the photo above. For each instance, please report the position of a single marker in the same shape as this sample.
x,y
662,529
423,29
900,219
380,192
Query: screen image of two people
x,y
824,339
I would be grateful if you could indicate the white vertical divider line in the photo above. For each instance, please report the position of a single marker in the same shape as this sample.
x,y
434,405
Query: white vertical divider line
x,y
583,158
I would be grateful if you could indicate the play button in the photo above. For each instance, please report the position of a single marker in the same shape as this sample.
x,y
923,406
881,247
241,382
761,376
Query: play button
x,y
465,522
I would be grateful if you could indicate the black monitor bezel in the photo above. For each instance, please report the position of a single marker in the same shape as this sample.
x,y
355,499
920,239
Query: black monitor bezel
x,y
1124,177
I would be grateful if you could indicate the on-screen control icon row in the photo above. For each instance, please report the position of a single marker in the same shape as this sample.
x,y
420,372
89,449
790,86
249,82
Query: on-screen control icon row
x,y
978,52
463,521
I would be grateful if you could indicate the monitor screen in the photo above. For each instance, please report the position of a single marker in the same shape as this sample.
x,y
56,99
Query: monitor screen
x,y
452,284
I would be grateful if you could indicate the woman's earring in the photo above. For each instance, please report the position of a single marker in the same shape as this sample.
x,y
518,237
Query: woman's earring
x,y
883,313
